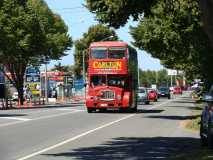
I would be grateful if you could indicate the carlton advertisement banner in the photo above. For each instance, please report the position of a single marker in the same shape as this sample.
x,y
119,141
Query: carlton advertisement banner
x,y
108,67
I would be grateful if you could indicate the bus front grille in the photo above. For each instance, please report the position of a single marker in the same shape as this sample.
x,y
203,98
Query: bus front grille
x,y
108,95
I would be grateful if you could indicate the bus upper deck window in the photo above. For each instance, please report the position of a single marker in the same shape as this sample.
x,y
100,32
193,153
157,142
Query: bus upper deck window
x,y
117,53
99,53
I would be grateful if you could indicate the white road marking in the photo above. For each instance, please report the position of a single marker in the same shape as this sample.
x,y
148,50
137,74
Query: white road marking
x,y
16,118
74,138
44,117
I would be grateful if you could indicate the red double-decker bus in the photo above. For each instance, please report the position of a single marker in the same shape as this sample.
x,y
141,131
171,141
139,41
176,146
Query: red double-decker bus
x,y
112,76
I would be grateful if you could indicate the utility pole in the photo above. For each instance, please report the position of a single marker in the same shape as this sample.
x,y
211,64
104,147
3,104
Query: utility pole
x,y
46,83
84,70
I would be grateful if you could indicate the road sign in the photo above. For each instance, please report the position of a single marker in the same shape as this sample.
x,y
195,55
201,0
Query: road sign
x,y
172,72
79,84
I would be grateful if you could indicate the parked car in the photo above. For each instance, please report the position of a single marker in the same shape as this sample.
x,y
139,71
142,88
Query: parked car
x,y
177,90
152,95
164,92
143,95
206,123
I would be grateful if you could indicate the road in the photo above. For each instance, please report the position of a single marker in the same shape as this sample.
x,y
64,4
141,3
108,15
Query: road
x,y
62,133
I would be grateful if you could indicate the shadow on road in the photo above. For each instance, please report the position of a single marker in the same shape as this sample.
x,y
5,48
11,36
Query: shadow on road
x,y
134,149
175,117
48,106
186,107
12,115
139,111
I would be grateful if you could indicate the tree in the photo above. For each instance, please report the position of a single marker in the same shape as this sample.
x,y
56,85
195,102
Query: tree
x,y
95,33
147,78
170,30
67,68
174,34
30,33
207,13
116,13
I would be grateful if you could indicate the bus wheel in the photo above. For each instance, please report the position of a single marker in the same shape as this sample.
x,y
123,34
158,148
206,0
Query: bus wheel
x,y
134,110
89,110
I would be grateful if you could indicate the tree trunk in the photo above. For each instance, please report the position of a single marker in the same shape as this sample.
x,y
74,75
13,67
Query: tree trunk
x,y
20,94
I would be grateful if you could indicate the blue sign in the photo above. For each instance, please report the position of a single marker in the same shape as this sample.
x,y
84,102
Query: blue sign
x,y
32,71
79,84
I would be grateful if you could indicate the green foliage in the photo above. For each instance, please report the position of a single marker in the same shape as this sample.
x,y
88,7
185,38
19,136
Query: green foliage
x,y
60,68
147,78
174,34
116,13
29,34
95,33
170,30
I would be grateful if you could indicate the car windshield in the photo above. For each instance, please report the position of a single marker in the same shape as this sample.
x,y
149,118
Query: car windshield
x,y
163,89
99,53
141,90
117,53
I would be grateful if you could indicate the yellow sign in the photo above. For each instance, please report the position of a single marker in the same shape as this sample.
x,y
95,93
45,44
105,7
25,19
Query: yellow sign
x,y
107,65
34,88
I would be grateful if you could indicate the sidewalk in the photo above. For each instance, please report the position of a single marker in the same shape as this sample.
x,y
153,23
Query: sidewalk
x,y
74,102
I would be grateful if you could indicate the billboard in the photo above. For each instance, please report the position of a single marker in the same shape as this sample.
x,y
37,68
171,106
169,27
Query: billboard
x,y
108,66
33,80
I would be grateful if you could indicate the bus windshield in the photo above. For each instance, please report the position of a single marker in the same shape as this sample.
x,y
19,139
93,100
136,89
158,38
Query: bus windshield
x,y
117,53
101,80
116,81
99,53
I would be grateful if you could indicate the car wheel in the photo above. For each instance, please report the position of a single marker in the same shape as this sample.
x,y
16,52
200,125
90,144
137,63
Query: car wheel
x,y
210,137
89,110
134,110
204,141
147,102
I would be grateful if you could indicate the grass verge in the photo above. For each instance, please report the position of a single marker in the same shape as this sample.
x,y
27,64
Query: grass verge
x,y
194,125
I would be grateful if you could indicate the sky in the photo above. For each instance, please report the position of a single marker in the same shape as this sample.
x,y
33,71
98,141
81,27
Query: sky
x,y
79,19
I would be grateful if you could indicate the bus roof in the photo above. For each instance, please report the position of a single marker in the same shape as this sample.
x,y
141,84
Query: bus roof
x,y
109,44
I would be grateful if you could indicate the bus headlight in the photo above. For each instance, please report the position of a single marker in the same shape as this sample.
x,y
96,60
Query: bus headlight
x,y
119,97
95,98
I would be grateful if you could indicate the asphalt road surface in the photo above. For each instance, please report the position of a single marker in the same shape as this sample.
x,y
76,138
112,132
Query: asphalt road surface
x,y
69,132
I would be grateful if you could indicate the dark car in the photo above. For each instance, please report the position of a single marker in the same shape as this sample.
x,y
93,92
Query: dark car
x,y
143,95
164,92
206,124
